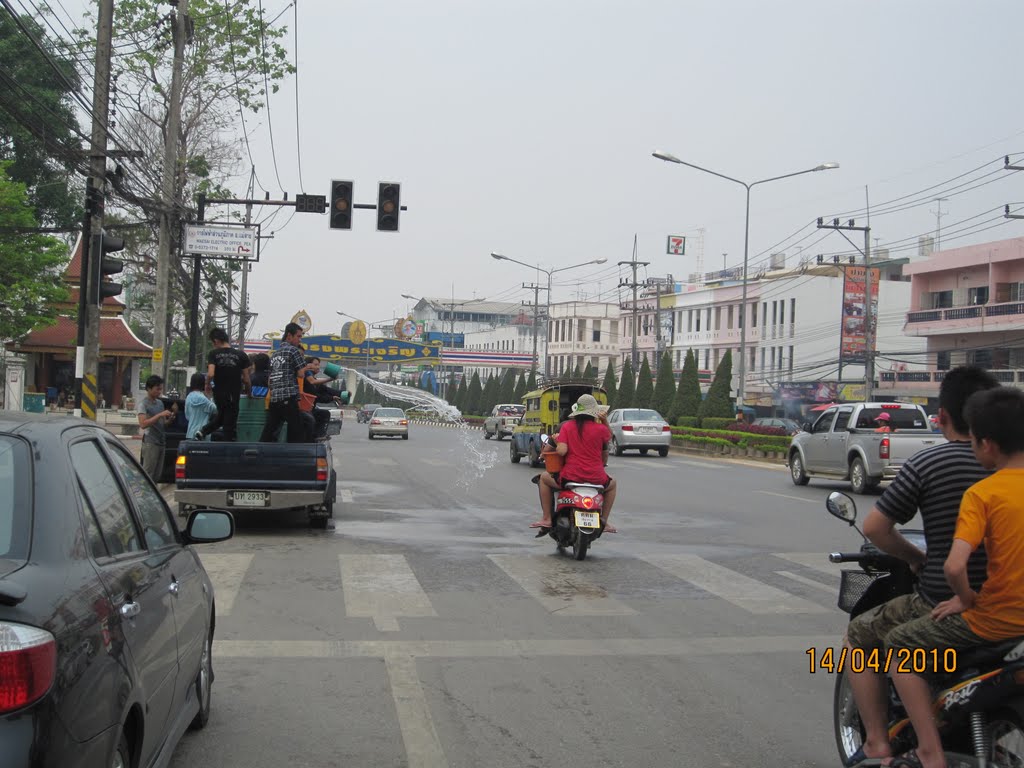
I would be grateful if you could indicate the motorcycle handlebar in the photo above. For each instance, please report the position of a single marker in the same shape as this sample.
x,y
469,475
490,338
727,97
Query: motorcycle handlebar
x,y
847,557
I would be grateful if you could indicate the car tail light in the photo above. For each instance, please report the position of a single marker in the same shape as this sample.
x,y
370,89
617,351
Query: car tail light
x,y
883,448
28,665
321,470
375,421
891,406
666,428
627,427
179,468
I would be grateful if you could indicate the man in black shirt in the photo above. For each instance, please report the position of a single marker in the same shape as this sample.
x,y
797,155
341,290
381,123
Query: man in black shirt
x,y
932,481
228,368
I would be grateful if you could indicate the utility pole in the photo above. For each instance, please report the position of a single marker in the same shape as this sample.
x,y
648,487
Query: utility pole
x,y
169,214
87,354
536,298
938,219
635,264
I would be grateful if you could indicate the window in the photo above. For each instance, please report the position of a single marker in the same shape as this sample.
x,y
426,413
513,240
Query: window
x,y
707,359
792,313
15,499
698,322
740,314
842,421
942,299
782,311
764,314
980,357
596,334
762,358
791,362
718,318
613,334
105,499
753,357
753,315
942,361
581,330
775,313
707,320
824,422
729,318
977,295
773,358
157,528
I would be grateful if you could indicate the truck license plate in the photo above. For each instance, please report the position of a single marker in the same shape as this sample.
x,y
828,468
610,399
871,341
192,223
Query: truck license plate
x,y
587,519
248,498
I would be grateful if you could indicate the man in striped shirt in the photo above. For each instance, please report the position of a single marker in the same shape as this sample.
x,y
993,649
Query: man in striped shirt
x,y
286,365
933,482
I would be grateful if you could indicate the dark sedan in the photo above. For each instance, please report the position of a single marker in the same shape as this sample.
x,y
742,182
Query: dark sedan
x,y
106,613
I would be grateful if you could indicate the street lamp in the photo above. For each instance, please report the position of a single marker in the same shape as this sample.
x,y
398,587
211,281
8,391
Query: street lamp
x,y
547,308
746,242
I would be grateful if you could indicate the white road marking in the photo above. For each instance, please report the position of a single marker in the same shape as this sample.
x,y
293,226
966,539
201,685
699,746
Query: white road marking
x,y
791,498
701,464
742,591
382,587
346,496
226,572
808,582
561,589
422,745
384,461
816,561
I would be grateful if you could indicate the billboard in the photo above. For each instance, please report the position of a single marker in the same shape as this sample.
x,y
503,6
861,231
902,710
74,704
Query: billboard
x,y
853,333
337,349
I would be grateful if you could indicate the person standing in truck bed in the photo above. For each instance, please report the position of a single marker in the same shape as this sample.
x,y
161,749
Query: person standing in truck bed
x,y
228,369
286,366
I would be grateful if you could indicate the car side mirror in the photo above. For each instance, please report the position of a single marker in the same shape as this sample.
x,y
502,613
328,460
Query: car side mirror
x,y
806,426
842,506
208,526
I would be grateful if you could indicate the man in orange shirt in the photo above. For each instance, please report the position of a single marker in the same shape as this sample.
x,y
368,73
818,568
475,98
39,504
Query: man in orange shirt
x,y
992,511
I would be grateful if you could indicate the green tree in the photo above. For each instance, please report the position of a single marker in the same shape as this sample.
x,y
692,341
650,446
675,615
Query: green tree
x,y
588,373
30,265
665,386
577,371
460,395
474,393
507,391
609,384
520,389
644,386
531,382
490,394
688,395
39,138
359,394
718,403
452,390
626,397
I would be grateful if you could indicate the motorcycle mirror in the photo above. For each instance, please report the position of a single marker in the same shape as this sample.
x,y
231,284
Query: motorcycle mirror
x,y
842,506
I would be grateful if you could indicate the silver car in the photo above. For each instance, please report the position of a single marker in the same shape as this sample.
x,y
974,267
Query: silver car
x,y
640,428
389,421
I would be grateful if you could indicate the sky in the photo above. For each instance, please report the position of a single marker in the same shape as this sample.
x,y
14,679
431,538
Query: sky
x,y
527,128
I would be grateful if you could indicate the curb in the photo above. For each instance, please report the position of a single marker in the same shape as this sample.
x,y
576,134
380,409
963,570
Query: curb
x,y
447,424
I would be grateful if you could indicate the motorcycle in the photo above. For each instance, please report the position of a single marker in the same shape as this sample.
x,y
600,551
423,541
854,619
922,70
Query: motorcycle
x,y
978,699
577,510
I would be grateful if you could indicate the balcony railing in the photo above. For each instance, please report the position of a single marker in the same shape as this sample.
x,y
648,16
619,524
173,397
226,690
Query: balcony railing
x,y
966,313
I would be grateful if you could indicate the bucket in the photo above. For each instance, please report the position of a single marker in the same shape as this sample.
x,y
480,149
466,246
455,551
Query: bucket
x,y
332,369
553,462
252,416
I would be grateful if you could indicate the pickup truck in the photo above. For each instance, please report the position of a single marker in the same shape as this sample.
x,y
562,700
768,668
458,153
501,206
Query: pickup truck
x,y
503,420
842,443
263,476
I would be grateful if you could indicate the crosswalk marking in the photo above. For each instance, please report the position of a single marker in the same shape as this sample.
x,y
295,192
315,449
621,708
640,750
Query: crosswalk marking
x,y
346,496
742,591
807,582
383,461
560,588
816,561
382,587
422,746
226,573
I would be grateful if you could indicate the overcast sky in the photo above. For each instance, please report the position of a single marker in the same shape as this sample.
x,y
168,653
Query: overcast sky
x,y
527,128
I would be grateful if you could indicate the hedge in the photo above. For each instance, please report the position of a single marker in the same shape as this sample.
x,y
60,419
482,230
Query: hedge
x,y
756,429
687,421
739,439
703,441
712,422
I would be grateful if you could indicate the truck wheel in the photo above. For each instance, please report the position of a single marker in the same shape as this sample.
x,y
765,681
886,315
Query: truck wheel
x,y
513,455
318,522
487,435
796,469
860,480
535,460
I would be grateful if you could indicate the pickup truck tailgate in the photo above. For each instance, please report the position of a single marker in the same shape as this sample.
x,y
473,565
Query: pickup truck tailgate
x,y
284,465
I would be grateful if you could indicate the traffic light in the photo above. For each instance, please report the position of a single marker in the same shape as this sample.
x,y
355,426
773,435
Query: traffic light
x,y
341,205
103,265
388,206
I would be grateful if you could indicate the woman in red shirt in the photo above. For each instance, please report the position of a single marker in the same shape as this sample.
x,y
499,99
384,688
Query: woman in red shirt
x,y
583,441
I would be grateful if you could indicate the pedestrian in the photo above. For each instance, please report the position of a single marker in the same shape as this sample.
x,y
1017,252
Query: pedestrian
x,y
154,418
286,366
199,409
259,379
228,370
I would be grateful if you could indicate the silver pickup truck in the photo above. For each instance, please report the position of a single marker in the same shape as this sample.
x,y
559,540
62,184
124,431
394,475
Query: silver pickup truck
x,y
503,420
843,443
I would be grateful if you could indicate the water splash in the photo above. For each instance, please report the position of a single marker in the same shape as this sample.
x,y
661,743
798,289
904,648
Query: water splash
x,y
420,402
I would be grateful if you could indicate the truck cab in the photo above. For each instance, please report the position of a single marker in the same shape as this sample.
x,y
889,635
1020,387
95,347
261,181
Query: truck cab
x,y
546,409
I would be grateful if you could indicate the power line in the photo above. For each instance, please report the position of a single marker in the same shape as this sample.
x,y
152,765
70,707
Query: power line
x,y
238,93
298,123
266,91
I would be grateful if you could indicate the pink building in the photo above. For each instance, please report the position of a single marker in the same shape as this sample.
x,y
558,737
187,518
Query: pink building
x,y
969,304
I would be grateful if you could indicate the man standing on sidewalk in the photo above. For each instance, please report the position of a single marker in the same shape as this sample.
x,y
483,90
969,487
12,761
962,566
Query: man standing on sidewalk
x,y
153,418
228,369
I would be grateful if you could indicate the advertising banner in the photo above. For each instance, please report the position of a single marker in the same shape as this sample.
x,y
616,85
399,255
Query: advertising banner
x,y
337,349
853,334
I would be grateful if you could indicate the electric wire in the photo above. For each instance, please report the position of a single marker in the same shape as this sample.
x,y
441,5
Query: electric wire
x,y
298,123
266,91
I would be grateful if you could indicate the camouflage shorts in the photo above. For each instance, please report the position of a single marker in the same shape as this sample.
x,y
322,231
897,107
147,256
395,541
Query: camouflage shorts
x,y
869,630
929,634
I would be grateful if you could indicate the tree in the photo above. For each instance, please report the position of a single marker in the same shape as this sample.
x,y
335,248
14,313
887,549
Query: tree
x,y
609,384
644,386
531,382
577,371
30,265
452,390
359,393
688,395
520,389
474,393
665,386
718,403
507,391
460,395
588,373
489,396
627,387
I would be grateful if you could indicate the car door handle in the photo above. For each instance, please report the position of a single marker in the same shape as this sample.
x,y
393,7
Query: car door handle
x,y
130,610
173,588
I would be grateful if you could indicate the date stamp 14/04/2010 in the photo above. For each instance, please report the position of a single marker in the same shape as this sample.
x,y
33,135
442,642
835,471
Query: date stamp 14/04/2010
x,y
914,660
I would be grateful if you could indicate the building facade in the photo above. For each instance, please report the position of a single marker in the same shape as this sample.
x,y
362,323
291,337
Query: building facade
x,y
582,332
518,337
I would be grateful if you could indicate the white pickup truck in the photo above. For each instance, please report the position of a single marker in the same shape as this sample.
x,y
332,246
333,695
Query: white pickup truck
x,y
842,443
503,420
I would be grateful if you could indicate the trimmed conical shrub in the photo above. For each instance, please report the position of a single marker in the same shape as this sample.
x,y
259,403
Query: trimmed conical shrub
x,y
627,387
644,386
609,384
665,386
718,403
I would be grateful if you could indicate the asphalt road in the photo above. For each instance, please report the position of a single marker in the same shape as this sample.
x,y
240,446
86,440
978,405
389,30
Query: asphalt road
x,y
430,629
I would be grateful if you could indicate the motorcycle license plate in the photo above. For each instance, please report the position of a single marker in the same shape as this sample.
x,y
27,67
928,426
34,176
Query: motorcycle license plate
x,y
587,519
248,499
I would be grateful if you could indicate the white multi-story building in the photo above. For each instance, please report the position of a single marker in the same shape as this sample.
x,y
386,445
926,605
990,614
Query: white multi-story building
x,y
516,337
795,321
582,332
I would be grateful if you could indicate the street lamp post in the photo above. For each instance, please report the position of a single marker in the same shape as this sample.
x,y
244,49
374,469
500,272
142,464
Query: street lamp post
x,y
547,311
746,243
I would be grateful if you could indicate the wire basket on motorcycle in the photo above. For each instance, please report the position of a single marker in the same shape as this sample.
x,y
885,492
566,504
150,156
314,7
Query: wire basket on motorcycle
x,y
852,587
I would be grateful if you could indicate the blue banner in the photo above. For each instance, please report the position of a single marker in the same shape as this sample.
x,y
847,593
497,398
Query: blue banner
x,y
337,349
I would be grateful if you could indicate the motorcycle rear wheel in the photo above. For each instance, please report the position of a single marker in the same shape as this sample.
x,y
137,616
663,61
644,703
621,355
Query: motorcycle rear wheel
x,y
1006,737
580,543
846,720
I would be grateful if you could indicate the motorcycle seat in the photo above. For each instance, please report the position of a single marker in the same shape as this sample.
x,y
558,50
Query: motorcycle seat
x,y
986,655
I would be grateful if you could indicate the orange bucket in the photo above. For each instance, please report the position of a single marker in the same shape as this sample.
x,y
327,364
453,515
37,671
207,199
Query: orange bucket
x,y
553,462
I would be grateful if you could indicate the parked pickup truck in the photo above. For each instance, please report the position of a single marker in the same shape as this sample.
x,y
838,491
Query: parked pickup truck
x,y
843,443
503,420
268,476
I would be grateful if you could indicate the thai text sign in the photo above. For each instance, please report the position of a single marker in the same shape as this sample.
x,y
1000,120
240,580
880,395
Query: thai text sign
x,y
853,335
220,241
374,350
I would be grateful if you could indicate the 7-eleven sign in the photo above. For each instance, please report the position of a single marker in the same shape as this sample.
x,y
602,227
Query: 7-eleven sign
x,y
676,245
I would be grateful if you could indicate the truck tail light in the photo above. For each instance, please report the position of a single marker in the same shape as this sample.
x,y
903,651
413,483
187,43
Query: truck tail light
x,y
28,665
179,468
627,427
883,448
321,470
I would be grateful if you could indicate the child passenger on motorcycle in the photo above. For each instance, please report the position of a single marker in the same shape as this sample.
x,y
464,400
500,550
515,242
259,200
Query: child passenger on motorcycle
x,y
583,442
992,511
